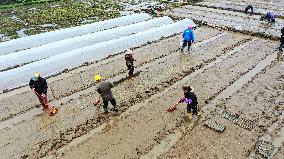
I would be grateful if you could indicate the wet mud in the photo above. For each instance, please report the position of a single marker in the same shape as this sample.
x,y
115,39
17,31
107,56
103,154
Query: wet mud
x,y
82,78
86,100
236,21
101,151
253,106
260,8
238,79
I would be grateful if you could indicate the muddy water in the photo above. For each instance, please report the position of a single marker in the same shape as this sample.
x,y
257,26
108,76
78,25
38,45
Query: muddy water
x,y
77,80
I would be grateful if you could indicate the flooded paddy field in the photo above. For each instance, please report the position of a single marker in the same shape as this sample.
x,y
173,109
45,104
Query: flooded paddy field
x,y
235,67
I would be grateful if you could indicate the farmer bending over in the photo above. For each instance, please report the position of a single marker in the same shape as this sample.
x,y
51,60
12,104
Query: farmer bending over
x,y
249,7
104,89
190,99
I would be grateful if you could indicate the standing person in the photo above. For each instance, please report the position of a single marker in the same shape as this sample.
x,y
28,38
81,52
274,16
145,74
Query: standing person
x,y
188,38
104,89
249,7
153,12
39,85
282,39
129,62
190,99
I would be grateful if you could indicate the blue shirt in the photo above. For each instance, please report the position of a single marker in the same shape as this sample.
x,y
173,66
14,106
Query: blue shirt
x,y
188,35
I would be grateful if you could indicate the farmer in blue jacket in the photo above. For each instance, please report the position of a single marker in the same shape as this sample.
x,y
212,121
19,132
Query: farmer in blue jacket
x,y
188,38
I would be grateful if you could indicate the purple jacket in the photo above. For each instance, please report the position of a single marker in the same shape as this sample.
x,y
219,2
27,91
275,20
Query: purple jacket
x,y
185,100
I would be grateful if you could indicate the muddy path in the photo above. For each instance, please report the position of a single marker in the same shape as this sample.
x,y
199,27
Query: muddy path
x,y
229,20
151,119
260,7
80,79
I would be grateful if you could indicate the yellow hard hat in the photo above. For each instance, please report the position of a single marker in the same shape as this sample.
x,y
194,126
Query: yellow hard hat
x,y
97,77
36,76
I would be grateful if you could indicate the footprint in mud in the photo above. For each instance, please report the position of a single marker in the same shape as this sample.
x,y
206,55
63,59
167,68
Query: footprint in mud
x,y
188,125
110,123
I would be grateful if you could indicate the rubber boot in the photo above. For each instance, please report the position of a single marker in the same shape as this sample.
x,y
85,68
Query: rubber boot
x,y
114,109
189,116
105,111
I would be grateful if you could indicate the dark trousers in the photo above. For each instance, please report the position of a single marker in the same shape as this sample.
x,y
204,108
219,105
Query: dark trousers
x,y
281,46
193,108
112,101
130,69
186,43
272,20
282,41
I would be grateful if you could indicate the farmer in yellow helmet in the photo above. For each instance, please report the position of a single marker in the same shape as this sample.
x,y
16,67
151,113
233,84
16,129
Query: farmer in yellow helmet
x,y
39,85
104,89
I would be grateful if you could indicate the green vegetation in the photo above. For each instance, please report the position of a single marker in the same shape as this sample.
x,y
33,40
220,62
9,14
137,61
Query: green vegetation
x,y
15,3
61,14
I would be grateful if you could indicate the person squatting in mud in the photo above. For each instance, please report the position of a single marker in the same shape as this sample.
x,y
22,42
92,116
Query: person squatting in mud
x,y
249,7
190,99
104,89
188,38
39,85
282,40
270,17
129,62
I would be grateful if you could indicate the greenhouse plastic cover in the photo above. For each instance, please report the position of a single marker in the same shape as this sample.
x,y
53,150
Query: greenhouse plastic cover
x,y
56,48
56,64
45,38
